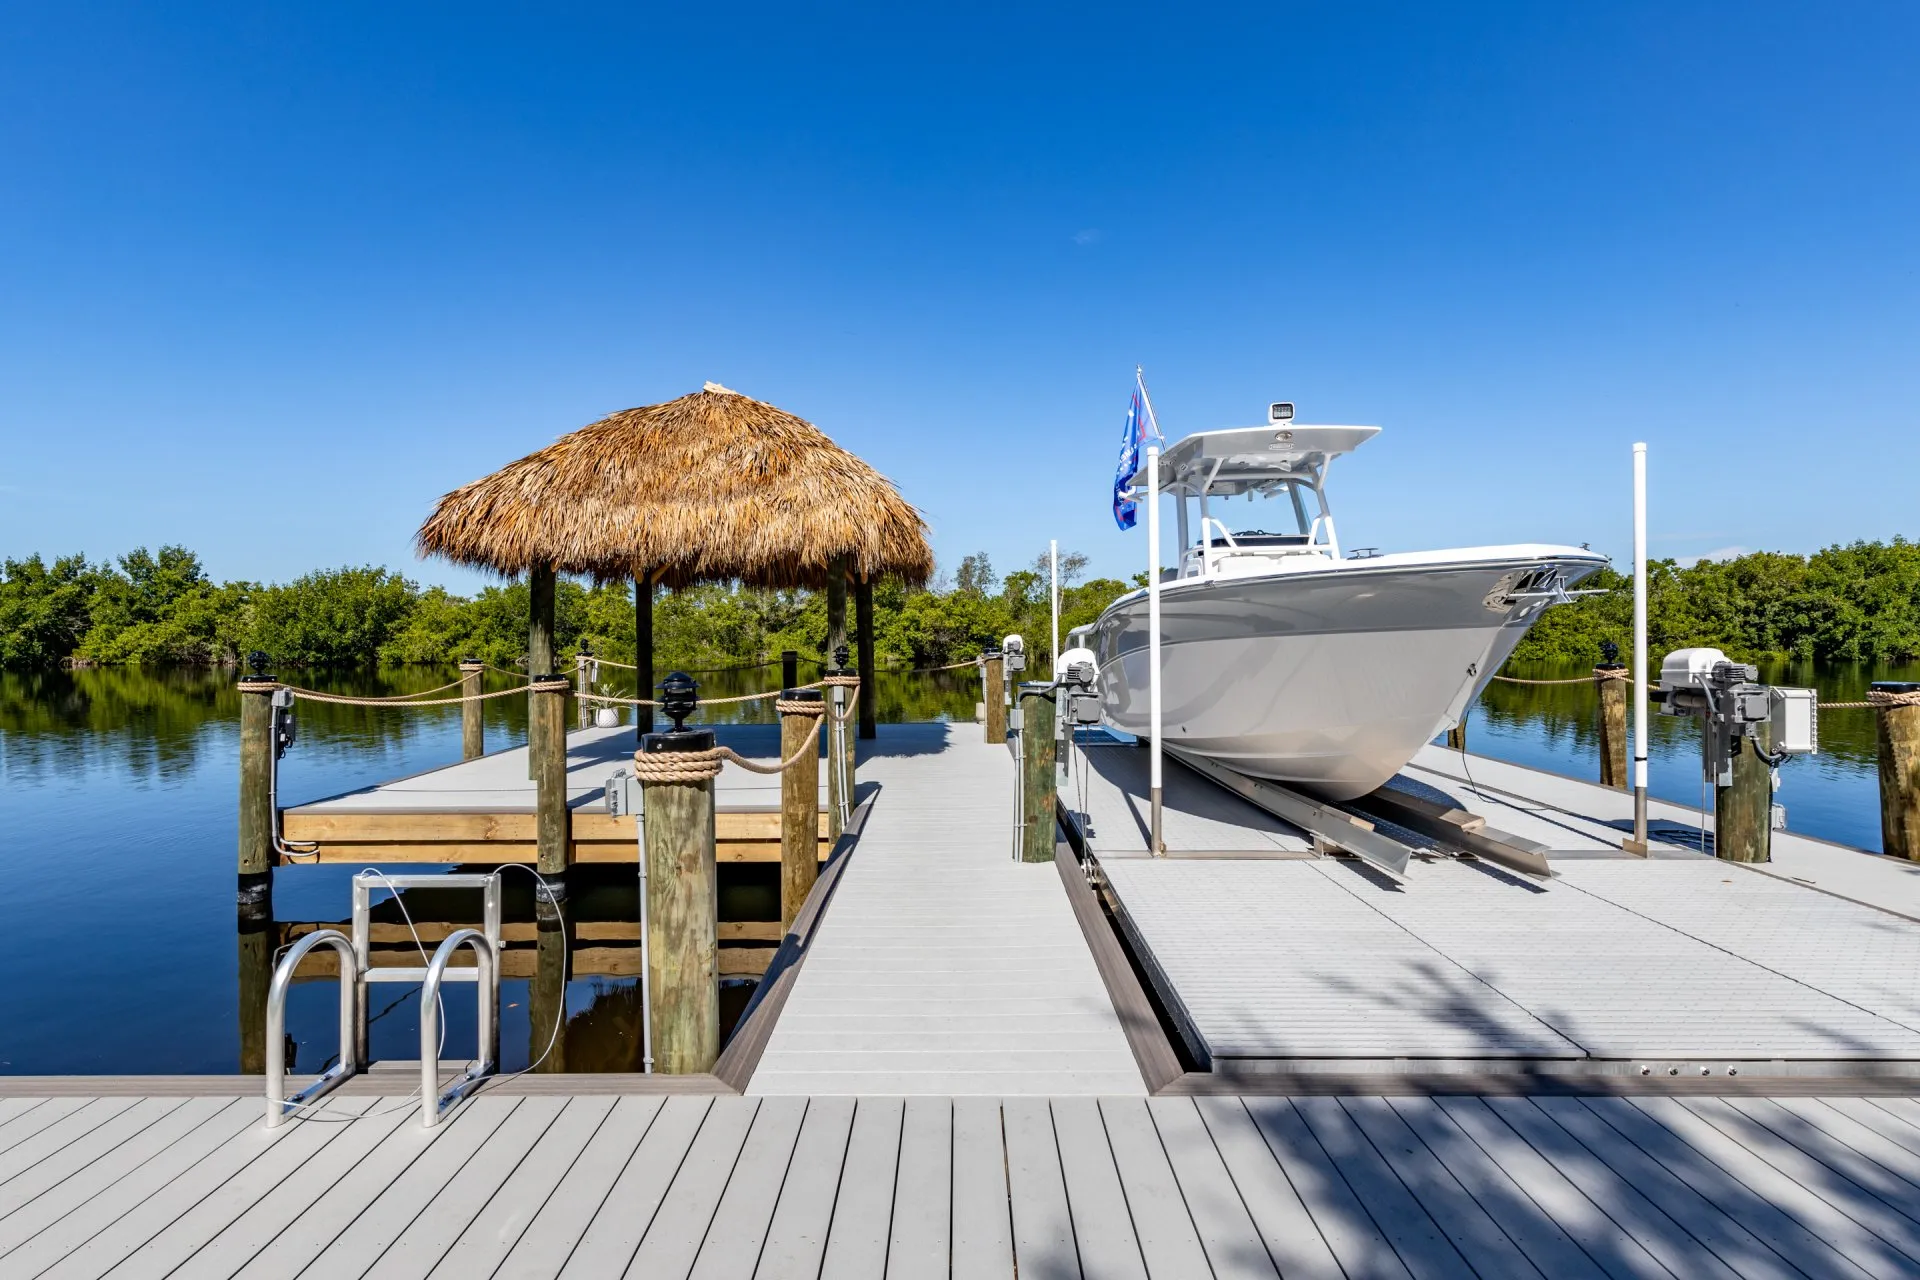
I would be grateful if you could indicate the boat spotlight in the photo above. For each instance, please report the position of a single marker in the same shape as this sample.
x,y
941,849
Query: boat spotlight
x,y
1280,411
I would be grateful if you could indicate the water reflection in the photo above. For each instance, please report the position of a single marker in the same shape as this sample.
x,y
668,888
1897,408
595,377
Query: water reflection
x,y
117,824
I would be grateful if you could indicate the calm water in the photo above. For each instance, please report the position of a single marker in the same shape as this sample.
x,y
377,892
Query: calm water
x,y
117,798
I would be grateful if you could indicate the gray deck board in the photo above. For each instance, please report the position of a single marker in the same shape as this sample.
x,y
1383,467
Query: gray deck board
x,y
1692,1190
1495,1193
1350,1232
165,1229
1169,1241
1609,1242
1474,1232
1828,1134
1617,1195
1423,1247
34,1205
1754,1157
110,1191
797,1232
495,1231
942,967
982,1224
734,1238
615,1230
289,1199
27,1182
337,1207
1043,1242
1102,1227
527,1188
1233,1244
1293,1239
435,1159
418,1249
544,1247
921,1242
679,1228
863,1211
68,1113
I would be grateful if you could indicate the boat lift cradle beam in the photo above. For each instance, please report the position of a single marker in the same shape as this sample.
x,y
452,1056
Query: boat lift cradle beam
x,y
1340,829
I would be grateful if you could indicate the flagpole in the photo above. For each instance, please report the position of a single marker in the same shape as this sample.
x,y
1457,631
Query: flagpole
x,y
1053,569
1156,848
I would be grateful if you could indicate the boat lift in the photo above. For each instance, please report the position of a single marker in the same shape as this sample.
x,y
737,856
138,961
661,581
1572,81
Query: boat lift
x,y
357,973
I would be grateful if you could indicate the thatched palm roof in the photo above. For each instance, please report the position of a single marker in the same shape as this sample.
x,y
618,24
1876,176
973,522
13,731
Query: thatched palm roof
x,y
710,487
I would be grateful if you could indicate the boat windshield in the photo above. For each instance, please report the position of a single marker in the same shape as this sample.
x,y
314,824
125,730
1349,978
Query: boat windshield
x,y
1283,518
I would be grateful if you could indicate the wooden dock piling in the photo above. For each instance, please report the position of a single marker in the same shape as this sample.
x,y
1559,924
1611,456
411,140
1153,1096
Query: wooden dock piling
x,y
255,889
994,664
799,803
547,995
473,733
582,686
256,960
682,897
1038,753
1457,736
1613,725
1743,812
1898,734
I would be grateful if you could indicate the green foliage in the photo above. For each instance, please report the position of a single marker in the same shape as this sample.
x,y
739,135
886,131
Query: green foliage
x,y
1856,603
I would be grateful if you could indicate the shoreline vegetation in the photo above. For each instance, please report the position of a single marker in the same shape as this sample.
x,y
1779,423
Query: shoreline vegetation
x,y
1858,602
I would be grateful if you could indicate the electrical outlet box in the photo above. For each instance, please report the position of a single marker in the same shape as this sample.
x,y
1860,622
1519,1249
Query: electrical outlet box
x,y
1795,717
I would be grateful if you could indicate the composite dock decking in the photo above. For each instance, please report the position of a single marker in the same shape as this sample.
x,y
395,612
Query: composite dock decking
x,y
942,966
976,1188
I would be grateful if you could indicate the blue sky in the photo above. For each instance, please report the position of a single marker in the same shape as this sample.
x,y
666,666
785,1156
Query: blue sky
x,y
272,281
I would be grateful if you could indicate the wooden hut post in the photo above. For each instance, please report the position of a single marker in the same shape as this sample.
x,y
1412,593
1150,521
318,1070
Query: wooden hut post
x,y
836,606
799,803
643,647
682,924
1743,812
1899,741
255,889
1037,756
863,632
996,693
547,735
1613,725
547,994
473,732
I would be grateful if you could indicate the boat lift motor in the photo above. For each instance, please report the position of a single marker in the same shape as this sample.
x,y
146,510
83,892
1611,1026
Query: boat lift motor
x,y
1731,704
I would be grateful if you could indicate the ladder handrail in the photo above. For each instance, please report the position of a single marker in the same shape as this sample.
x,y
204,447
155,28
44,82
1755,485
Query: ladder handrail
x,y
278,1106
433,1100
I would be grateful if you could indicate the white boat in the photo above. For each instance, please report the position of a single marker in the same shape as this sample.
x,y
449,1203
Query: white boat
x,y
1280,657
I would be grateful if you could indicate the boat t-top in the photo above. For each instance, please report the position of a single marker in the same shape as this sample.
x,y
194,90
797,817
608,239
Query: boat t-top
x,y
1282,657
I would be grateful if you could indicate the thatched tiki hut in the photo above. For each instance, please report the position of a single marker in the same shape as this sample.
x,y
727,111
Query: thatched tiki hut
x,y
712,487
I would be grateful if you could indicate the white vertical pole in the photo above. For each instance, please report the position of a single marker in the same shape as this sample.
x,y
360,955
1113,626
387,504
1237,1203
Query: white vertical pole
x,y
1053,569
1640,647
1153,636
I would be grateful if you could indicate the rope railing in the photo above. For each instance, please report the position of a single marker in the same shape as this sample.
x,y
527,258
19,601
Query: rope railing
x,y
1876,699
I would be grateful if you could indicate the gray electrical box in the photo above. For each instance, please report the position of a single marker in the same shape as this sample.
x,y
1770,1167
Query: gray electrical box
x,y
1795,717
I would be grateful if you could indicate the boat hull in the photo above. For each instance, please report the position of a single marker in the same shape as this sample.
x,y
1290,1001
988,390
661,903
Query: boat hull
x,y
1329,680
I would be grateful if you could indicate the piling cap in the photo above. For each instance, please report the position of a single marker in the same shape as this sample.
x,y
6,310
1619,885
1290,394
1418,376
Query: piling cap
x,y
800,695
1895,686
677,740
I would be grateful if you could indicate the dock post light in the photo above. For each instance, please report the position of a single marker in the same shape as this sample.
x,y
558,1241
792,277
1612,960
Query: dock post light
x,y
679,695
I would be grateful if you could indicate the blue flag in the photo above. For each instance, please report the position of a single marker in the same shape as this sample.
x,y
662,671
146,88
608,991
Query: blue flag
x,y
1139,416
